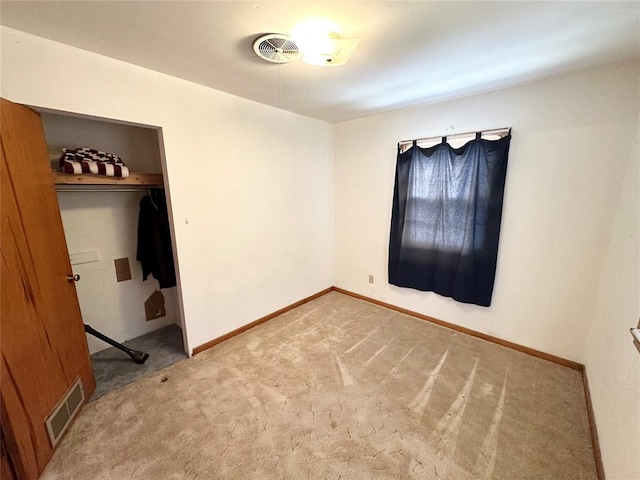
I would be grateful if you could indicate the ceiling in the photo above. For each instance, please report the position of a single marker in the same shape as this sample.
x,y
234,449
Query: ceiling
x,y
410,53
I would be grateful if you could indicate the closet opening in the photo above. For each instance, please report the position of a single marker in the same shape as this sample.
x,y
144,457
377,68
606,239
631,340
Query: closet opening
x,y
116,221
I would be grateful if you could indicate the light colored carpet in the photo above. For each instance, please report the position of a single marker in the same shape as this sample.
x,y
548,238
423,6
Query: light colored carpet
x,y
339,389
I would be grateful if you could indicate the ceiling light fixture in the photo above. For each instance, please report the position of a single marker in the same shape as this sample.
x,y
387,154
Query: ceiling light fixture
x,y
330,50
315,41
321,43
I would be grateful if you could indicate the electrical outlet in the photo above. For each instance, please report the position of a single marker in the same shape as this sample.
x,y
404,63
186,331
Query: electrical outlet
x,y
370,278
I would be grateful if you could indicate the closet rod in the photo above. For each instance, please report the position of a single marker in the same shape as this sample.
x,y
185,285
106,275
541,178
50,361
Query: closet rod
x,y
106,190
505,130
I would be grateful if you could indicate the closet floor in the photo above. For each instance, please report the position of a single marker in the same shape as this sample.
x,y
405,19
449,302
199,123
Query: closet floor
x,y
113,368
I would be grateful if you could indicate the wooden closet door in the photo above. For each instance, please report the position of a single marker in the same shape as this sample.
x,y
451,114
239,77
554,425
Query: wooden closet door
x,y
7,471
42,339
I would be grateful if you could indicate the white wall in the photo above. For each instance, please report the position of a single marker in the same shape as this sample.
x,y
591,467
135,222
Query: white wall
x,y
571,137
612,362
250,186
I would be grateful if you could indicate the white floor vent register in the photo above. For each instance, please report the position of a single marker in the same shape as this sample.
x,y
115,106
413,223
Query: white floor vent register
x,y
58,420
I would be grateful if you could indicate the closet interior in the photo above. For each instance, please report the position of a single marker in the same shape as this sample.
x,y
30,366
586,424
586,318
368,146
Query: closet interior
x,y
101,215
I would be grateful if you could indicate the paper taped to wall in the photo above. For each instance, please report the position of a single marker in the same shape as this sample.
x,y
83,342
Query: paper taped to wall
x,y
154,306
84,257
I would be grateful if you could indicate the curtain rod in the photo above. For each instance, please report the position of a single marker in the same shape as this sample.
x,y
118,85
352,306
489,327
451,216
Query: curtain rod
x,y
454,135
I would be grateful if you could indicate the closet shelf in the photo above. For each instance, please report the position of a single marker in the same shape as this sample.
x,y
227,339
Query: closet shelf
x,y
144,179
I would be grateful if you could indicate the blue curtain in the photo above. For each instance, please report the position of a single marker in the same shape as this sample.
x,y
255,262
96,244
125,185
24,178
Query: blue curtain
x,y
445,224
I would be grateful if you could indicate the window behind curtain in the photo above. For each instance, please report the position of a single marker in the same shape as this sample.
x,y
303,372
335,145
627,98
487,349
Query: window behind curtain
x,y
445,223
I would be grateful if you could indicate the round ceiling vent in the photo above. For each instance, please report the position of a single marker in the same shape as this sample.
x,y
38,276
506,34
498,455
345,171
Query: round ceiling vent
x,y
277,48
